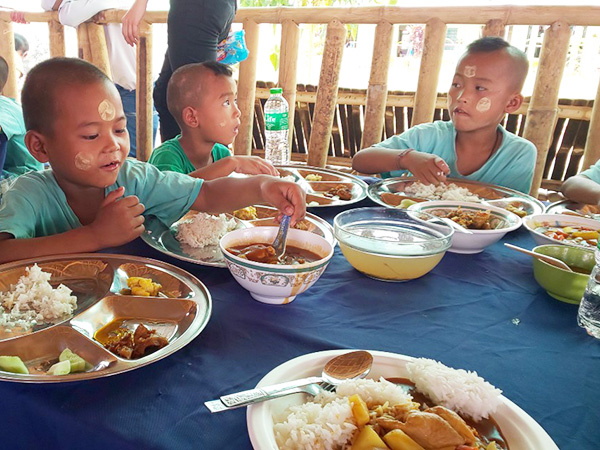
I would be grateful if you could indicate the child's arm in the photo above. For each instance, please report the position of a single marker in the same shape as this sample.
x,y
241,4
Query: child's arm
x,y
118,221
229,194
250,165
581,189
426,167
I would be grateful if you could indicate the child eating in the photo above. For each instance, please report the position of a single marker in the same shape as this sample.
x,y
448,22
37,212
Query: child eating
x,y
93,197
202,99
486,86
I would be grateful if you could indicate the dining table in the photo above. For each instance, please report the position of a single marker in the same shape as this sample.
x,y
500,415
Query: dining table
x,y
481,312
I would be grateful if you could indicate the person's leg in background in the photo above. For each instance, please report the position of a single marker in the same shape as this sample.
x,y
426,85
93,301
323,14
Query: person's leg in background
x,y
194,30
129,107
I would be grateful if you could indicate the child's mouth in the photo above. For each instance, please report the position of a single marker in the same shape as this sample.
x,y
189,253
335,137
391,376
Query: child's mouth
x,y
459,111
113,165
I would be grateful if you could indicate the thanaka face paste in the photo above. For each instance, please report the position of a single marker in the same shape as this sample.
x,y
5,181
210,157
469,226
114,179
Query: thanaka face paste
x,y
106,110
470,71
483,104
83,162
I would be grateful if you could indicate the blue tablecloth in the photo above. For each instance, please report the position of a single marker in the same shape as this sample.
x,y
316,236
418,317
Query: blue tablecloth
x,y
480,312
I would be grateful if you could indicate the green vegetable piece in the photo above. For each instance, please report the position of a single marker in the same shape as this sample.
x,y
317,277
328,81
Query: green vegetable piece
x,y
60,368
78,364
406,203
13,364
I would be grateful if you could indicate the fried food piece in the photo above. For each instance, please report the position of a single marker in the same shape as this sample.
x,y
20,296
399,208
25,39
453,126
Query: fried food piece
x,y
247,213
516,210
133,345
341,191
478,220
455,422
313,177
144,287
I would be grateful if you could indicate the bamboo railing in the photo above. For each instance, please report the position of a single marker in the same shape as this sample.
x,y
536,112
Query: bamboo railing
x,y
542,110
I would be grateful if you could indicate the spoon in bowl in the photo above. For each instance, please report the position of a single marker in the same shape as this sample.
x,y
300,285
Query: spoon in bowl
x,y
549,259
280,240
349,366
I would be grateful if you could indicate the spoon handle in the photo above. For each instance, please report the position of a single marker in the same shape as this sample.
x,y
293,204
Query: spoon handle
x,y
257,395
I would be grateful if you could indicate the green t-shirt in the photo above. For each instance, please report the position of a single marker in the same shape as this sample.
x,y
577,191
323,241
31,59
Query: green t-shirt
x,y
170,156
18,159
36,206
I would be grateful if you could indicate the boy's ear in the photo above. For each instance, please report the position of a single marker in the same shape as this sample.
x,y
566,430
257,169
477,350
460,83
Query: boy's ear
x,y
189,116
36,144
514,103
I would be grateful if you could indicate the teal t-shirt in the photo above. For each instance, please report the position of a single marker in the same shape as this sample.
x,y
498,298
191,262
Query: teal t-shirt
x,y
593,173
18,159
36,206
512,165
170,156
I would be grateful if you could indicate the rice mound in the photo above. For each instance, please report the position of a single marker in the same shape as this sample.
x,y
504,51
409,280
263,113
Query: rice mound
x,y
33,300
441,192
204,229
457,389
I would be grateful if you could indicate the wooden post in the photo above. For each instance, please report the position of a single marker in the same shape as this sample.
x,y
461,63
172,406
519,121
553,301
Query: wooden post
x,y
543,108
7,51
247,90
592,143
494,27
57,38
83,43
377,91
98,47
143,93
327,94
429,73
288,63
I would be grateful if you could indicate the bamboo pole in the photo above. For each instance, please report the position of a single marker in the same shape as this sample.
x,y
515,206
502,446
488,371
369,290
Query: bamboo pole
x,y
83,43
290,41
494,27
327,94
98,47
429,72
377,91
143,93
592,143
543,107
57,38
246,90
7,51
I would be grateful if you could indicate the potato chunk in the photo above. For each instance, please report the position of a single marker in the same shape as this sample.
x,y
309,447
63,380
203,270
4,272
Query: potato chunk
x,y
360,411
399,440
368,439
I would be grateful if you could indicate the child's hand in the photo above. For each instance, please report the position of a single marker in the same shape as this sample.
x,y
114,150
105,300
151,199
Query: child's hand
x,y
119,220
430,169
18,17
287,197
254,165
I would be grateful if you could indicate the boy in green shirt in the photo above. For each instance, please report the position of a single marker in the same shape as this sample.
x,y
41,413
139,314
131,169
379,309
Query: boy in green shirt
x,y
202,99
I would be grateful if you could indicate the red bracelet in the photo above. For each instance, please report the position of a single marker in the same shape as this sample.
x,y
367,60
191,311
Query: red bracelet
x,y
402,154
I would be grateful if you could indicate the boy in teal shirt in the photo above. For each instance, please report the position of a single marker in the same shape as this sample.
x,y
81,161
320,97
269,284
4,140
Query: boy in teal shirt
x,y
584,187
93,197
486,86
202,99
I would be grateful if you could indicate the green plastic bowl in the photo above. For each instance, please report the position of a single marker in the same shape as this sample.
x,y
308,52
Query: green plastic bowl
x,y
559,283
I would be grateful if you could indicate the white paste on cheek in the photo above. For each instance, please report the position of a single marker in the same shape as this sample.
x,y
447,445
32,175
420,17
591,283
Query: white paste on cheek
x,y
83,162
483,105
222,124
106,110
470,71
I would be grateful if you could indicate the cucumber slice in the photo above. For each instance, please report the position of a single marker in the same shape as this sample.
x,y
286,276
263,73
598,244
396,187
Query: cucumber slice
x,y
78,364
13,364
60,368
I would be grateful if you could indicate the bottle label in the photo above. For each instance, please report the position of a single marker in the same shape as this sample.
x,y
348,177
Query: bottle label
x,y
276,122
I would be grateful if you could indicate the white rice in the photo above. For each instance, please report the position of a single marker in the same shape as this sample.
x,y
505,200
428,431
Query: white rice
x,y
457,389
33,300
441,192
204,229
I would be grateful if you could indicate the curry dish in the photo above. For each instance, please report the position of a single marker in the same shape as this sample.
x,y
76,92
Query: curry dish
x,y
265,253
474,220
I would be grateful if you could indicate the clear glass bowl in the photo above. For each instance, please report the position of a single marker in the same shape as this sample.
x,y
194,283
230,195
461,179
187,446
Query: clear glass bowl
x,y
392,244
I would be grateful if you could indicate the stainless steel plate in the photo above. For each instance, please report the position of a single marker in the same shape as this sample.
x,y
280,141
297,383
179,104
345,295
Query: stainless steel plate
x,y
162,238
575,209
318,191
96,281
390,192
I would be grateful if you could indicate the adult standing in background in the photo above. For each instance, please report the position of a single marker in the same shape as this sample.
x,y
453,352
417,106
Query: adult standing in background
x,y
194,28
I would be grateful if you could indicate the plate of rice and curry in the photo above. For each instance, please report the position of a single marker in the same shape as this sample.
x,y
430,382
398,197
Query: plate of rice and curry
x,y
195,237
402,192
404,403
84,316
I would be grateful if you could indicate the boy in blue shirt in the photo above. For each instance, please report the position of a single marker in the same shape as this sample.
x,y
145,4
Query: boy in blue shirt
x,y
584,187
93,197
487,85
203,100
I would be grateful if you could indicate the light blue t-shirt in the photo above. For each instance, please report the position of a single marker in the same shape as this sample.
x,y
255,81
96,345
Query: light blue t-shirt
x,y
593,173
36,206
512,165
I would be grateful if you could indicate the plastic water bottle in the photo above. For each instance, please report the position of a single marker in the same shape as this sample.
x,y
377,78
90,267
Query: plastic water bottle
x,y
588,316
277,149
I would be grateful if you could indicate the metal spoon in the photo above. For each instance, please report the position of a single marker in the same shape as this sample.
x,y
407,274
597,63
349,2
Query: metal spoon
x,y
549,259
279,242
348,366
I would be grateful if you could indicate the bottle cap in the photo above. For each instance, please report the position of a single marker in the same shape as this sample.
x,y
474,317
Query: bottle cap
x,y
276,90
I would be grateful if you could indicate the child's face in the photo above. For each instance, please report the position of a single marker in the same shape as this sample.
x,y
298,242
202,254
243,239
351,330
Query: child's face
x,y
90,141
483,90
218,114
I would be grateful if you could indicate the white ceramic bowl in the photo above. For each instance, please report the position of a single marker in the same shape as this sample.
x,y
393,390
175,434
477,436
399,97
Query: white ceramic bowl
x,y
503,220
557,220
275,284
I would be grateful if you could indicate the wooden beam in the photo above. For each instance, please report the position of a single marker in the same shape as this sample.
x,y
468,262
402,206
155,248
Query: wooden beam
x,y
494,27
143,94
57,38
592,143
83,43
7,51
327,94
98,47
377,91
288,72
